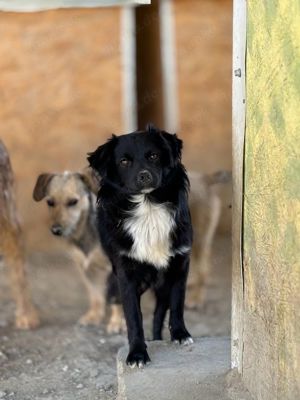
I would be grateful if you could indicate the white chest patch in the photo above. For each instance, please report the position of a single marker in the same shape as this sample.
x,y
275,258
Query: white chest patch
x,y
150,226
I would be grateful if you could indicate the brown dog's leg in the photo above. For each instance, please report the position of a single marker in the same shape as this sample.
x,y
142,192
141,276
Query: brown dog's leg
x,y
116,323
11,245
26,315
207,241
201,255
95,288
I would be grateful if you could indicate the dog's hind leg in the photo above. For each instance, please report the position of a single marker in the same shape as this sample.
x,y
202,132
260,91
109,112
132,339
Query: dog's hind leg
x,y
201,255
11,245
161,308
204,267
26,315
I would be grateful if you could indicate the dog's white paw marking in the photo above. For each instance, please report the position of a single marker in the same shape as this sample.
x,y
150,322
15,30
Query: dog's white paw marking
x,y
185,342
188,341
138,364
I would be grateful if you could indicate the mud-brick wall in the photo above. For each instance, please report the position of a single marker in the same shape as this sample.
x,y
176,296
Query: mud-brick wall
x,y
60,96
203,37
271,356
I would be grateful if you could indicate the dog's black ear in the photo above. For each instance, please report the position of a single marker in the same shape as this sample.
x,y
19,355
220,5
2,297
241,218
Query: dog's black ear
x,y
151,128
41,186
174,144
100,158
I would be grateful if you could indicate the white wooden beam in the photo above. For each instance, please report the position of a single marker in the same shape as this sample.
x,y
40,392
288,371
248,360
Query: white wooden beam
x,y
169,67
40,5
238,135
128,50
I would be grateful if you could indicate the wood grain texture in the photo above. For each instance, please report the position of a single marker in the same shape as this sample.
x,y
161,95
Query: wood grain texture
x,y
271,359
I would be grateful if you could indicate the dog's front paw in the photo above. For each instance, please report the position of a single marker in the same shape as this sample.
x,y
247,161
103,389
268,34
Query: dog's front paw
x,y
116,325
92,317
137,358
185,342
181,336
28,319
116,322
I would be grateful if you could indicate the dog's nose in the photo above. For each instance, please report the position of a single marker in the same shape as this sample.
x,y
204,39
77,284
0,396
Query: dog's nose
x,y
56,230
144,178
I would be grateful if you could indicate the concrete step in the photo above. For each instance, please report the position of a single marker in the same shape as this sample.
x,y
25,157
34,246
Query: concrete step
x,y
194,372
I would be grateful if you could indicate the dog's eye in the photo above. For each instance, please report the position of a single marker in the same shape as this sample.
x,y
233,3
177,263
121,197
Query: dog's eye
x,y
72,202
153,156
50,202
124,162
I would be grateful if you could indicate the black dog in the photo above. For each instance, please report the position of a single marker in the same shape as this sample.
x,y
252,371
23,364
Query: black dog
x,y
145,228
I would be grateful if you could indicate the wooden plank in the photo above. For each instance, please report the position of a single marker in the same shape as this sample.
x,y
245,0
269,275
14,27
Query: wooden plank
x,y
39,5
169,67
149,80
128,49
238,128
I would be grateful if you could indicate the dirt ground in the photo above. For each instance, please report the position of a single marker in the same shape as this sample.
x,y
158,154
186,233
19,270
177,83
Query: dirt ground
x,y
63,361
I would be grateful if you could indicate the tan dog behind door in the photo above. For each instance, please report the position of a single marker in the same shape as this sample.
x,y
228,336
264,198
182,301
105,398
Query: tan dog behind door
x,y
71,204
205,207
12,246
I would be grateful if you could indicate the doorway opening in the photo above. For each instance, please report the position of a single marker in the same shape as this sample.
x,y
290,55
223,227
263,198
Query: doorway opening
x,y
183,85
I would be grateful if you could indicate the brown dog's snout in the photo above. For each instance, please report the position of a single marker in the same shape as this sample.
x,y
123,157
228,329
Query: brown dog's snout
x,y
56,229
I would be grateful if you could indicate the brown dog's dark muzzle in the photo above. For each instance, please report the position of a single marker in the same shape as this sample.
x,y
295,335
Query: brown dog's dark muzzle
x,y
57,230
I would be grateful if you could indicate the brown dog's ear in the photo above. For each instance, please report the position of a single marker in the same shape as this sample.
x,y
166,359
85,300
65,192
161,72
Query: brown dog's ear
x,y
41,186
90,180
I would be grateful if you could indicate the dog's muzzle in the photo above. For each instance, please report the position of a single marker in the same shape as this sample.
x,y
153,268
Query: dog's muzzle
x,y
57,230
144,179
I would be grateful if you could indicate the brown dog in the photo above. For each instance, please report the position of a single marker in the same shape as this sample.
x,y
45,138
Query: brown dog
x,y
205,207
12,246
72,210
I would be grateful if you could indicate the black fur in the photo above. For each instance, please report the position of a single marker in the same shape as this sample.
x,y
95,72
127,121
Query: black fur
x,y
159,154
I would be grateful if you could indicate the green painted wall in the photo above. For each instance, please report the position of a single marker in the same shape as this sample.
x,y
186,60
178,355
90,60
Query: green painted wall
x,y
271,357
